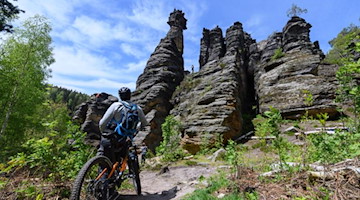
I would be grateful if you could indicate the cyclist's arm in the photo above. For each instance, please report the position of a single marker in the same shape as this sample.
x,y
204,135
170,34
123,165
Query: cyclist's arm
x,y
143,120
109,114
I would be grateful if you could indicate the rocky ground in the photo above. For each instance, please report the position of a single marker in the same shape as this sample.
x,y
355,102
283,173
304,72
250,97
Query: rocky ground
x,y
172,183
177,180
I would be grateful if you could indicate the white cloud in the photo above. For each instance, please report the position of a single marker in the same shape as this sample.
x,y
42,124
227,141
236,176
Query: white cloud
x,y
132,50
136,66
150,13
81,63
91,86
97,32
91,38
58,11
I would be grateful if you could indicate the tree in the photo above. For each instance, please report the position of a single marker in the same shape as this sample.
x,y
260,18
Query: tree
x,y
295,11
348,76
7,13
24,63
340,45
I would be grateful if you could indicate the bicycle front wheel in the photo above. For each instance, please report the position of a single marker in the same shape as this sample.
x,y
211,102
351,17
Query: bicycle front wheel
x,y
86,186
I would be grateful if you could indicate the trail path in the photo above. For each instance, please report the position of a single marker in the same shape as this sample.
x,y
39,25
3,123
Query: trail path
x,y
173,184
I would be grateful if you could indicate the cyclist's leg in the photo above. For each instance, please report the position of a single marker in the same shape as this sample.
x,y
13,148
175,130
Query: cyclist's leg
x,y
105,150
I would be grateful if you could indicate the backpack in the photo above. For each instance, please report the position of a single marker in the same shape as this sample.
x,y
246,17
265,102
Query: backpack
x,y
128,121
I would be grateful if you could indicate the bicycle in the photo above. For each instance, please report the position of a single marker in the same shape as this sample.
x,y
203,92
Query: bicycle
x,y
99,176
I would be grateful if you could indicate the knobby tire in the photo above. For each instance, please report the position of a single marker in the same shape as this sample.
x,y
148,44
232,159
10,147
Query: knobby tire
x,y
79,181
134,169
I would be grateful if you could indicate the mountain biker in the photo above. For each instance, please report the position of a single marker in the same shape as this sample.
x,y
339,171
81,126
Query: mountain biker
x,y
112,143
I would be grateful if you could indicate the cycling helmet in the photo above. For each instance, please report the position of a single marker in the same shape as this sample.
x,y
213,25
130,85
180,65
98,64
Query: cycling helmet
x,y
124,93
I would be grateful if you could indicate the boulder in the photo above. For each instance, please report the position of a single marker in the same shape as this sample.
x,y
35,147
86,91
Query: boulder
x,y
88,114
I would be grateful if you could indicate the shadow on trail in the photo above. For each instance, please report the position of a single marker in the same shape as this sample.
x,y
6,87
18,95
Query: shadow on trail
x,y
164,195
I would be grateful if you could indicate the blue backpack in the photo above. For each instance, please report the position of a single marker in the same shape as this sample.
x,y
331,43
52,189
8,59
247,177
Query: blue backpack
x,y
128,121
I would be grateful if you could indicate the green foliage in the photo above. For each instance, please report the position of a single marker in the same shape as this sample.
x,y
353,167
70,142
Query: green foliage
x,y
233,155
53,157
170,148
295,11
210,143
56,151
71,98
267,125
344,48
187,84
308,101
308,97
349,85
25,58
278,53
190,163
322,118
8,12
27,190
327,148
340,45
251,196
216,182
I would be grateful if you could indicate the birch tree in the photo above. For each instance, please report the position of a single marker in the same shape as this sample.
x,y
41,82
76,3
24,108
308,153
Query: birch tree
x,y
24,63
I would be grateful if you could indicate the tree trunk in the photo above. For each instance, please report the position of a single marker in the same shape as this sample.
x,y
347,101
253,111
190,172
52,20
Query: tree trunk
x,y
8,111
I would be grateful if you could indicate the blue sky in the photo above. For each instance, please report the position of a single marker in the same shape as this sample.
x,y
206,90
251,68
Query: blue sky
x,y
100,46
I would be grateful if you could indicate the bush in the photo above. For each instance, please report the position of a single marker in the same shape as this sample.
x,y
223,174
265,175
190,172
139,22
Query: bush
x,y
334,148
170,148
278,54
52,156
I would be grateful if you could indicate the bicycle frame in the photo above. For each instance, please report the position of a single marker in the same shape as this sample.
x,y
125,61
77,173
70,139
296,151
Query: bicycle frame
x,y
119,168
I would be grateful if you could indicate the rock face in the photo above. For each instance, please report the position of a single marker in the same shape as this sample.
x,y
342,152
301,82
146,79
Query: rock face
x,y
163,73
284,82
236,74
212,101
212,46
89,114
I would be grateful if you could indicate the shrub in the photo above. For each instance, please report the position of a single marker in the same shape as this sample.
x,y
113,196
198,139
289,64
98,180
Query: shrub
x,y
334,148
170,148
52,156
278,53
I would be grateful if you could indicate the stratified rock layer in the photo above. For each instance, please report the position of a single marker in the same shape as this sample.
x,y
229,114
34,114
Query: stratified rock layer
x,y
163,72
212,101
285,82
89,114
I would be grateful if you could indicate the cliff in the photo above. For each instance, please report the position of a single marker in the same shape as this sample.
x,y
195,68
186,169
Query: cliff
x,y
284,82
238,78
214,100
163,73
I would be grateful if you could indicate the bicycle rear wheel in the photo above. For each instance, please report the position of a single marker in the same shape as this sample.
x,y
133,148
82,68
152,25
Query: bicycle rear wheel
x,y
135,171
86,186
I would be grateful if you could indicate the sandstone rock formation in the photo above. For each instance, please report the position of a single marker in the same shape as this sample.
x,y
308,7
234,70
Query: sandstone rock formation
x,y
163,72
212,101
236,74
285,81
89,114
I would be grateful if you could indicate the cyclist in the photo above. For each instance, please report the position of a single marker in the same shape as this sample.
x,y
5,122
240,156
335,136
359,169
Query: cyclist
x,y
110,140
113,143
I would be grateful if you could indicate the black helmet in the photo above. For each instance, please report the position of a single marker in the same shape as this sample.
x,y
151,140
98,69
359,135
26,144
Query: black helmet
x,y
124,93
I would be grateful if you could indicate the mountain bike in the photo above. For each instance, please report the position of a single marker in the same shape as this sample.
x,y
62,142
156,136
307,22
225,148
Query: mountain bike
x,y
99,177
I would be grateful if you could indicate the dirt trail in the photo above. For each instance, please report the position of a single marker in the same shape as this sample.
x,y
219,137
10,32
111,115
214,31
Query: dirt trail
x,y
173,184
